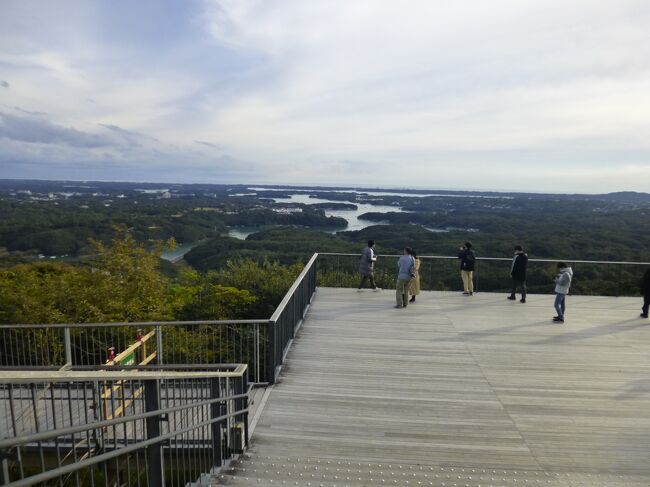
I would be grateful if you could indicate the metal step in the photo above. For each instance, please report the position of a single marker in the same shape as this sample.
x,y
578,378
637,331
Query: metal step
x,y
314,472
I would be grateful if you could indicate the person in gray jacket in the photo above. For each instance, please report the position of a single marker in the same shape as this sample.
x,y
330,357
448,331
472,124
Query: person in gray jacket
x,y
562,286
405,273
367,266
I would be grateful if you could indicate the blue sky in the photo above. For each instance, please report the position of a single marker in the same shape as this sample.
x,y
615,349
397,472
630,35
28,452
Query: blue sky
x,y
505,95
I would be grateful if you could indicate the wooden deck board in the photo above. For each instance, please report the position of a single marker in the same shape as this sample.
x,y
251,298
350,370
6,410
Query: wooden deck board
x,y
467,381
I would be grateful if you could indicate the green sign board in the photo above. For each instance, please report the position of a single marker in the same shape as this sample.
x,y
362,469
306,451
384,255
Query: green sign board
x,y
129,359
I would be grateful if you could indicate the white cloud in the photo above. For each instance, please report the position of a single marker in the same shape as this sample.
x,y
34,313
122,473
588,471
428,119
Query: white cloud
x,y
375,78
33,146
321,91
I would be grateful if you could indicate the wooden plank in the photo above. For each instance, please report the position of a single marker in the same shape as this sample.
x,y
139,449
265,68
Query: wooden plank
x,y
131,348
477,382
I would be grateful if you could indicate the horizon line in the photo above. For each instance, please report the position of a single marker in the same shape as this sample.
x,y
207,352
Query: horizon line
x,y
332,187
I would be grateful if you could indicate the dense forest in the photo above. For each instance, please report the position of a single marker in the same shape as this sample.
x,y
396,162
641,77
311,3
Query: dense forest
x,y
123,281
59,219
56,236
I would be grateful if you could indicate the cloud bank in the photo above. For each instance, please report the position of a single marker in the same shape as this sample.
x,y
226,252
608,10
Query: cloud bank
x,y
490,95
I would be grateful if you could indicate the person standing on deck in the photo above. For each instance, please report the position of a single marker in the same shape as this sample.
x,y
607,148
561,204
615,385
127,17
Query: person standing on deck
x,y
562,285
405,273
518,273
645,290
414,288
367,266
467,261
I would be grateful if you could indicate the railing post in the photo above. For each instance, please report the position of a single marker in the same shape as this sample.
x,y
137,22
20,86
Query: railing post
x,y
270,351
67,343
294,313
312,287
243,405
159,344
256,358
154,452
4,454
215,412
338,271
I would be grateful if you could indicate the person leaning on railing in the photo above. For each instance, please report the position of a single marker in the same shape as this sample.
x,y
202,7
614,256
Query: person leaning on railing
x,y
467,261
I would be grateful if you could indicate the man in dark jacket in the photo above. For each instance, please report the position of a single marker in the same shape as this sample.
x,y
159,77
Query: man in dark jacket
x,y
645,290
467,261
518,273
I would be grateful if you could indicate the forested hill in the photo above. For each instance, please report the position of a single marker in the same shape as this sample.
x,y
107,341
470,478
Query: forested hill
x,y
8,186
58,218
54,236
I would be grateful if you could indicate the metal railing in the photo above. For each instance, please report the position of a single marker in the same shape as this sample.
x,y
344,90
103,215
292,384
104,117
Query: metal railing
x,y
120,427
263,343
158,410
188,342
288,317
492,274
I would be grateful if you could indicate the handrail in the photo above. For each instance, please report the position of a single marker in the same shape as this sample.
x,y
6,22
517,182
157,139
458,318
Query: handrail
x,y
156,367
109,455
137,323
44,435
289,293
504,259
209,425
264,349
120,367
30,376
278,311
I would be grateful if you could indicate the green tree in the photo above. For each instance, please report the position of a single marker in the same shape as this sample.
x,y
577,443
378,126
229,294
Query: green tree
x,y
268,282
128,284
203,299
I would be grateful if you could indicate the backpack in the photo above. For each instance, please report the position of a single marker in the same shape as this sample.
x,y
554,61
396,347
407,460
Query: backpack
x,y
470,258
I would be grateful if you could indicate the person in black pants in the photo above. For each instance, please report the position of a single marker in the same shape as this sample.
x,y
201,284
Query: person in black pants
x,y
467,260
367,266
645,290
518,273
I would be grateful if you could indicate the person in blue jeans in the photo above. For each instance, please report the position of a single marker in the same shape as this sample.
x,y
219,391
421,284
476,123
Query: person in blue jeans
x,y
405,273
562,286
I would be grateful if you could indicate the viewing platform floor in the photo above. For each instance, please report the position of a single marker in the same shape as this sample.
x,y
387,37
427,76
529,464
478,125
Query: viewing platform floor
x,y
458,390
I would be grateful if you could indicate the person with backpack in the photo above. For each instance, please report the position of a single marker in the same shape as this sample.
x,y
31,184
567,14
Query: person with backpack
x,y
645,290
518,273
367,266
562,284
467,262
405,273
